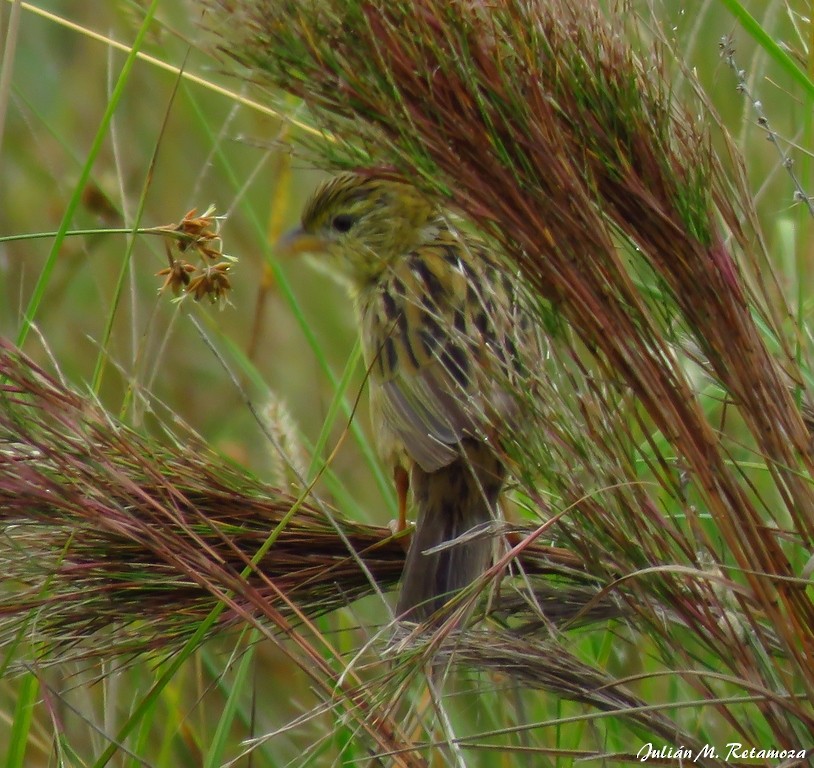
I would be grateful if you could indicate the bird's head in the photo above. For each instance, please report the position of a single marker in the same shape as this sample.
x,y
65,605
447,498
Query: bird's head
x,y
358,225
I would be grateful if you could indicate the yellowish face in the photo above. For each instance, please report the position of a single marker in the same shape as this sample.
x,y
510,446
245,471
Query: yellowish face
x,y
361,224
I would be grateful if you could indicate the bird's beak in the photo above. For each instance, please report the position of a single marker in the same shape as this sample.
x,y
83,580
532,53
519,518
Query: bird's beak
x,y
298,241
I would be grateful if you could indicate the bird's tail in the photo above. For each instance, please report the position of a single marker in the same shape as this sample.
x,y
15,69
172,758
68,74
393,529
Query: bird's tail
x,y
450,502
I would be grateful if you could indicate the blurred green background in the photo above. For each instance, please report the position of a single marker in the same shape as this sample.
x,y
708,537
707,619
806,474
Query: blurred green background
x,y
206,149
179,145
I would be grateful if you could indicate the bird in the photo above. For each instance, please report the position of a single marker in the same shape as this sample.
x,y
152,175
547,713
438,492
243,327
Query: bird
x,y
442,333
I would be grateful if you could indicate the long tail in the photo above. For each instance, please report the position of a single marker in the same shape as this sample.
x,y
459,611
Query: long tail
x,y
450,501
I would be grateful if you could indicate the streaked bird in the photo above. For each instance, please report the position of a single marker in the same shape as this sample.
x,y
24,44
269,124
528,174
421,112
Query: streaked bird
x,y
441,332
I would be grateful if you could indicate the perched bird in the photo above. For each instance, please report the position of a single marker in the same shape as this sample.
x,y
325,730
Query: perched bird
x,y
440,331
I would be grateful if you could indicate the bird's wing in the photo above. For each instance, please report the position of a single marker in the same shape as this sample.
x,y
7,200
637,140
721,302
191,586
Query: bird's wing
x,y
434,338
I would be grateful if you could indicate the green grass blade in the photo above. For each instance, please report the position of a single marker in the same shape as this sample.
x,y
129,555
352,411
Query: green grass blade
x,y
231,709
756,30
23,716
76,197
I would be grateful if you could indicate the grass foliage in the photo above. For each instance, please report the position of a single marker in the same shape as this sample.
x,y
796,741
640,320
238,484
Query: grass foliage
x,y
197,568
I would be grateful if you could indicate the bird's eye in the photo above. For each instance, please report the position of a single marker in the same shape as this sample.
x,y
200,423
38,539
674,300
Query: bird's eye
x,y
343,222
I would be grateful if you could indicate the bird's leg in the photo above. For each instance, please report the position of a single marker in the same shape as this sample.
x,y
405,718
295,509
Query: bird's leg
x,y
402,480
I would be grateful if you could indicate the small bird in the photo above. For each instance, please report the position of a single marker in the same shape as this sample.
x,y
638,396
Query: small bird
x,y
440,330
